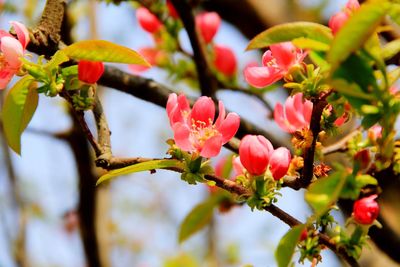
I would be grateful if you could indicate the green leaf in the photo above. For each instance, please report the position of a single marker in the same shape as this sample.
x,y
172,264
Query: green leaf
x,y
289,31
139,167
324,192
199,217
394,13
285,250
19,106
391,49
318,58
306,43
58,58
364,180
100,50
355,32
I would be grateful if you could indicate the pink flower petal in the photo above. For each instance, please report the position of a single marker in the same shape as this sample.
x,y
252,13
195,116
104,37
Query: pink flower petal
x,y
182,136
147,20
294,111
280,119
12,51
203,111
212,147
208,24
229,127
225,60
221,114
279,162
285,54
267,58
262,76
22,33
5,77
172,102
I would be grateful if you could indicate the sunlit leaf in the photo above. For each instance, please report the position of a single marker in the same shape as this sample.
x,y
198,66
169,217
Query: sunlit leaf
x,y
355,32
139,167
19,106
100,50
289,31
286,247
306,43
324,192
58,58
391,49
198,218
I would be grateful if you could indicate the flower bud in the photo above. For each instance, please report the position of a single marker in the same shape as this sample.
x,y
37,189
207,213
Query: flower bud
x,y
366,210
337,21
208,25
90,71
279,162
147,20
254,153
224,60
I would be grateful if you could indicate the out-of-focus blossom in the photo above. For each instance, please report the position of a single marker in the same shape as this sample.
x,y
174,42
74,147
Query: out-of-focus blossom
x,y
11,52
208,24
375,132
237,167
339,19
366,210
90,71
172,10
147,20
276,64
195,129
153,55
279,162
225,60
296,115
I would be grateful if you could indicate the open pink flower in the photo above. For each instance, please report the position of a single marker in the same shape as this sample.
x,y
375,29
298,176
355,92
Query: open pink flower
x,y
147,20
276,63
225,60
339,19
195,129
295,116
208,24
11,52
366,210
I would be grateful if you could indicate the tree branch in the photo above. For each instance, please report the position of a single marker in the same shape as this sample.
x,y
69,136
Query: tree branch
x,y
207,80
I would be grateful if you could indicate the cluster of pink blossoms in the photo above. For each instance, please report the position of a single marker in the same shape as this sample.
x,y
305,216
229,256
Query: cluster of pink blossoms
x,y
276,62
208,24
257,155
339,19
11,52
195,130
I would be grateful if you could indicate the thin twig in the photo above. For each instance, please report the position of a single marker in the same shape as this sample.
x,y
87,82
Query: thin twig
x,y
341,145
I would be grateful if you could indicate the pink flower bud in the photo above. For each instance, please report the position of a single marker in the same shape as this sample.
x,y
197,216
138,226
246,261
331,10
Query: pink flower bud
x,y
90,71
208,25
279,162
225,60
366,210
147,20
254,151
337,21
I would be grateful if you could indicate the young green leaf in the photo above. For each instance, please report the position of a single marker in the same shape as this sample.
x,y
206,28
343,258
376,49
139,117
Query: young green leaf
x,y
289,31
58,58
391,49
285,250
100,50
139,167
19,106
355,32
306,43
324,192
199,217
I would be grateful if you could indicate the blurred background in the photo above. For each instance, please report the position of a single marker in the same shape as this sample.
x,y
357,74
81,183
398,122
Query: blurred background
x,y
50,210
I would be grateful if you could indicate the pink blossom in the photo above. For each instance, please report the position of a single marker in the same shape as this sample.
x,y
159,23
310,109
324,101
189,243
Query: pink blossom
x,y
366,210
236,166
225,60
339,19
296,115
194,130
147,20
208,24
11,52
254,152
257,155
276,63
375,132
279,162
